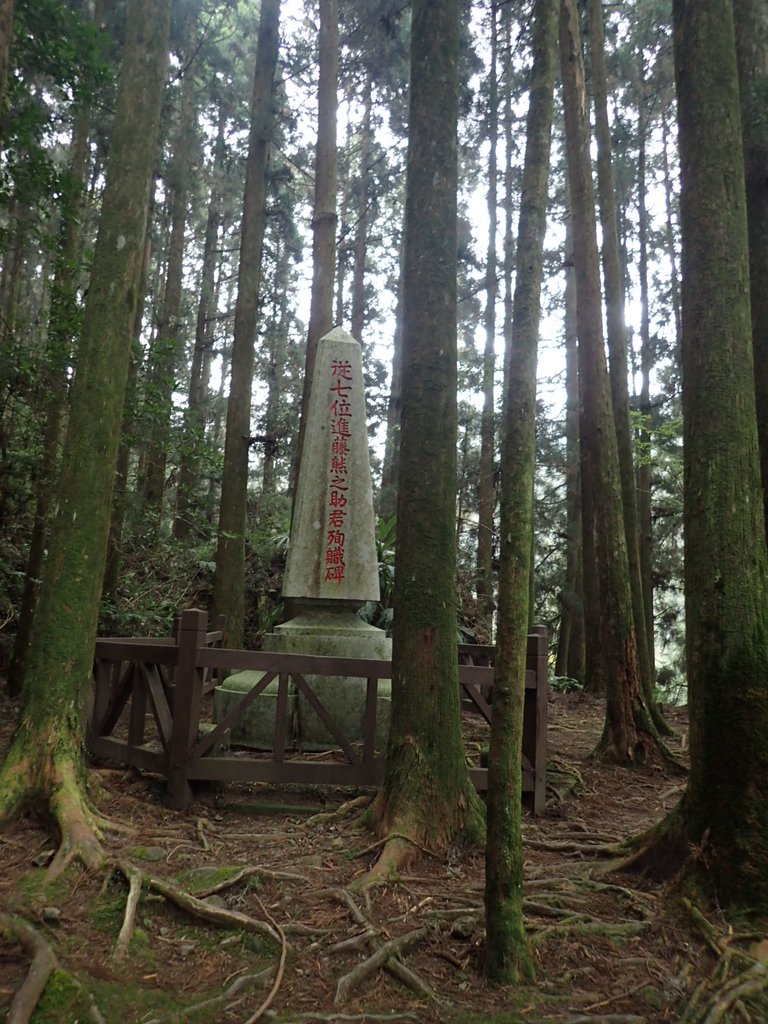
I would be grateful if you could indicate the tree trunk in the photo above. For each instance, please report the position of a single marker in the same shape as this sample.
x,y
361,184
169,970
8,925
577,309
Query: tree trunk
x,y
229,583
199,372
119,494
723,816
7,10
391,466
570,647
45,760
486,497
506,952
427,796
357,316
617,348
643,472
324,215
62,324
751,21
629,734
167,349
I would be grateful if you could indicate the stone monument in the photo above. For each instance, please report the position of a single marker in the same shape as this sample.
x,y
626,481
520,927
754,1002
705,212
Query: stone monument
x,y
332,566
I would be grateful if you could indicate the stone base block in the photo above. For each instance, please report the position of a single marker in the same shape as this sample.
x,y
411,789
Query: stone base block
x,y
257,727
344,700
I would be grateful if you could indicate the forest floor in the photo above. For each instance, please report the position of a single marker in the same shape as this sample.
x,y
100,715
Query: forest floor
x,y
613,948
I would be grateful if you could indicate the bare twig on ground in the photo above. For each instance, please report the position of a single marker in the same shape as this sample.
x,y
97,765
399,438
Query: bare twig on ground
x,y
265,1005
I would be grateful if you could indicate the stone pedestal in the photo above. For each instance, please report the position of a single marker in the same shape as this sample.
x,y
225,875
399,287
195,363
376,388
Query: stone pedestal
x,y
329,633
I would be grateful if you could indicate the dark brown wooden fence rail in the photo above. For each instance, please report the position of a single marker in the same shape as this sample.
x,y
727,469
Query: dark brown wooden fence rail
x,y
151,709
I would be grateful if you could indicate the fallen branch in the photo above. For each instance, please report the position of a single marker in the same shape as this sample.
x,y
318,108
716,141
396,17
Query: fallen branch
x,y
43,964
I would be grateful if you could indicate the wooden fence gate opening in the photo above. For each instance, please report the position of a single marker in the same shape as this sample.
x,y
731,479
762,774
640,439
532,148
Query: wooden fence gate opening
x,y
151,709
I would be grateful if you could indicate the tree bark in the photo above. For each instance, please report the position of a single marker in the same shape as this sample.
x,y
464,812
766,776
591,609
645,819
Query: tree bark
x,y
194,428
506,952
570,647
751,22
724,812
167,349
427,795
486,492
629,735
45,760
62,321
324,216
617,349
229,583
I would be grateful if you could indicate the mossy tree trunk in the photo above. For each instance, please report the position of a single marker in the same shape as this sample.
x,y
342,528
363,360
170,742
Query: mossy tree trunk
x,y
629,734
506,951
751,21
724,813
62,329
570,643
7,11
617,349
45,760
229,583
427,795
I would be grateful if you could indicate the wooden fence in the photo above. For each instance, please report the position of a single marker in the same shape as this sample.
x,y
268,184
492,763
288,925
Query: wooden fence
x,y
151,709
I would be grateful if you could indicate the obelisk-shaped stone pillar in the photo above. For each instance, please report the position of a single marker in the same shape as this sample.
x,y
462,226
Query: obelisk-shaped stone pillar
x,y
332,566
332,551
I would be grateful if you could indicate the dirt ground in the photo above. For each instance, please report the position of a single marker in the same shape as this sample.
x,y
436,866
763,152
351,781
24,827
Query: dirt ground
x,y
612,948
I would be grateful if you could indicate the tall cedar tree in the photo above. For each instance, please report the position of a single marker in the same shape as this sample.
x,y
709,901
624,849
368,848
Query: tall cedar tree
x,y
751,21
486,492
45,760
617,347
168,346
629,733
7,10
62,325
724,811
427,796
229,583
324,216
506,951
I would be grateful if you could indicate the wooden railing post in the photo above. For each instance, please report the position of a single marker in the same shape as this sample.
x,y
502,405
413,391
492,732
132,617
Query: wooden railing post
x,y
186,705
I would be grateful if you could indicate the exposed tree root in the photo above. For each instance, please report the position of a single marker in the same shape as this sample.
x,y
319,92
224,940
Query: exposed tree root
x,y
360,1018
185,901
215,1001
398,852
384,955
325,817
57,780
607,1018
43,963
350,981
